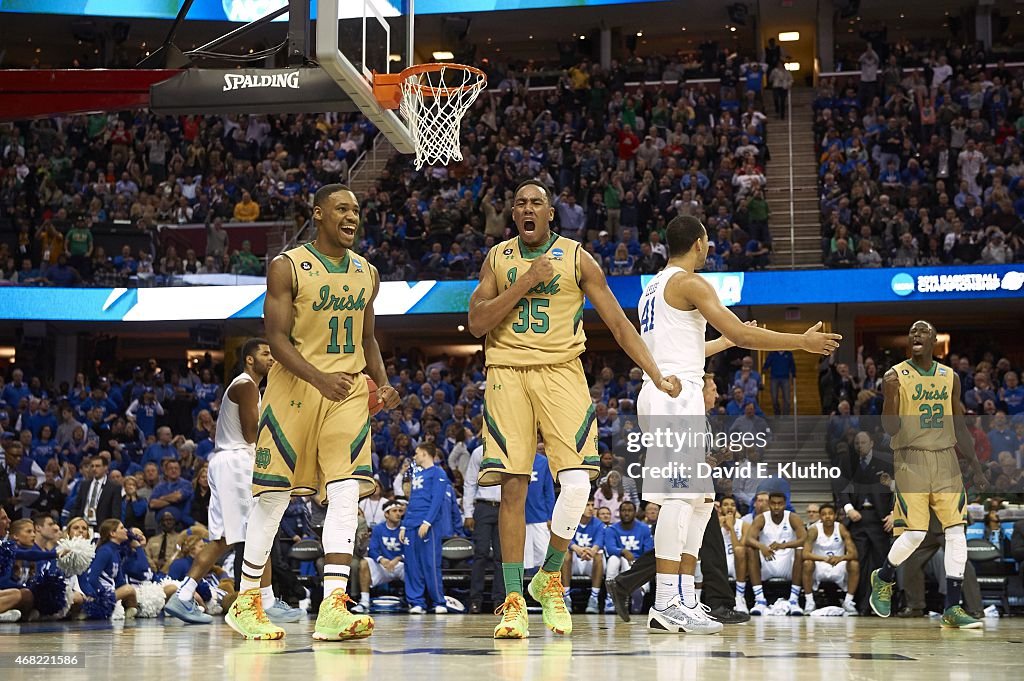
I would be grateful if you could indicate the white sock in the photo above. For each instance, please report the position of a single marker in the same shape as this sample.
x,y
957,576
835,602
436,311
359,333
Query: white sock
x,y
809,601
267,592
595,591
688,590
364,598
741,588
251,578
565,591
794,593
187,591
666,588
335,577
758,594
848,599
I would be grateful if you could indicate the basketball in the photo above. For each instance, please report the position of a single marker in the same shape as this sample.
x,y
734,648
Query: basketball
x,y
375,405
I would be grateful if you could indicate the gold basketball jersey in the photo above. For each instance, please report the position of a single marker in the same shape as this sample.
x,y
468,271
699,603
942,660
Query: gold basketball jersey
x,y
331,296
926,407
546,326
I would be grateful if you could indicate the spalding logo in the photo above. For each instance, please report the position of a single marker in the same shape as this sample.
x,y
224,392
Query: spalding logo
x,y
241,81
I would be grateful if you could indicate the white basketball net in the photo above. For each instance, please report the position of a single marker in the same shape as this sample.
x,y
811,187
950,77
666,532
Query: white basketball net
x,y
433,104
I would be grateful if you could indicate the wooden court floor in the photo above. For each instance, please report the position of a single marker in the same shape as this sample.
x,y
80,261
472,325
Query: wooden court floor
x,y
601,648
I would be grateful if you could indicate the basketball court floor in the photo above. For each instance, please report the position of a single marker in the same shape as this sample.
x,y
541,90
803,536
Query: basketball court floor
x,y
460,647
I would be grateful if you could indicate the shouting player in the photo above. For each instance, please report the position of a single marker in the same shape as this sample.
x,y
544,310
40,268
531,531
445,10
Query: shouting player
x,y
529,302
674,311
314,429
230,476
923,414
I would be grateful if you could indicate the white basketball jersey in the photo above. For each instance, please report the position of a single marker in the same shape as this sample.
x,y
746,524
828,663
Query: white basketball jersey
x,y
674,337
826,545
229,424
728,536
781,533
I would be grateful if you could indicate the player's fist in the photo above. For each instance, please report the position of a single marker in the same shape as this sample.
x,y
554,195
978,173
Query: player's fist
x,y
819,343
541,270
335,387
389,396
670,385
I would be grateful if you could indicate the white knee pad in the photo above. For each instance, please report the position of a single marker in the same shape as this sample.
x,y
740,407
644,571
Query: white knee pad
x,y
698,523
571,503
342,516
956,552
670,533
264,519
905,545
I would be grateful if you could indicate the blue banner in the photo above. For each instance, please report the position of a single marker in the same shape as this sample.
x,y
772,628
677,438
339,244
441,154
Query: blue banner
x,y
250,10
981,282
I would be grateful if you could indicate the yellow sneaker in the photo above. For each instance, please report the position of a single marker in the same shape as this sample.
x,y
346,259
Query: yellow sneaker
x,y
336,623
246,616
546,589
514,622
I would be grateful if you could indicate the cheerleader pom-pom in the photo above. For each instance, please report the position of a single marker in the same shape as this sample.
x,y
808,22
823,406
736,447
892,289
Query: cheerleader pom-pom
x,y
151,599
74,556
100,606
49,593
6,556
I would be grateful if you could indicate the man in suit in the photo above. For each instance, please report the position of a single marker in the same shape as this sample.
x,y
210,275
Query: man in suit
x,y
99,499
867,501
11,481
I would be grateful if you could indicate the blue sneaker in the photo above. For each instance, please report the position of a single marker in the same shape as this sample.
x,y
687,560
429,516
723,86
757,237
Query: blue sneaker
x,y
280,612
189,613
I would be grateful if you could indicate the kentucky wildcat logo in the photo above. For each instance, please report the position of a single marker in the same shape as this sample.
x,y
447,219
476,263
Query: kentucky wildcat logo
x,y
241,81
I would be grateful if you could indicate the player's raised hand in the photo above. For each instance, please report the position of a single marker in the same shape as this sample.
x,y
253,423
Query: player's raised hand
x,y
335,387
670,385
820,343
541,270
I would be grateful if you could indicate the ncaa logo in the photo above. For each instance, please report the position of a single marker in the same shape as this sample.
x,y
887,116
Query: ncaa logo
x,y
557,253
306,265
902,284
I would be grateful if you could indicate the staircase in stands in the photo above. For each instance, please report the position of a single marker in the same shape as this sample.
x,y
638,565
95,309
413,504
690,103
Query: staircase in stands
x,y
803,250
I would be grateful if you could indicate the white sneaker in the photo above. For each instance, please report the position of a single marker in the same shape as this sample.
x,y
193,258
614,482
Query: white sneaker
x,y
10,616
795,610
130,613
417,610
118,613
440,610
678,619
760,608
850,608
592,605
741,604
360,608
809,606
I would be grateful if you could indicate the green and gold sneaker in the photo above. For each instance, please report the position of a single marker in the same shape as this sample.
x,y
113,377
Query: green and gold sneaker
x,y
881,595
514,622
956,617
246,616
336,623
546,589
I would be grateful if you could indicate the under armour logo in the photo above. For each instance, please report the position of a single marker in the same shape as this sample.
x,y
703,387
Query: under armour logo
x,y
497,386
630,543
297,405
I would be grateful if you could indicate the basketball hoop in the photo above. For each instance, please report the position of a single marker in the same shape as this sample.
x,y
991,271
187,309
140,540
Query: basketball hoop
x,y
432,99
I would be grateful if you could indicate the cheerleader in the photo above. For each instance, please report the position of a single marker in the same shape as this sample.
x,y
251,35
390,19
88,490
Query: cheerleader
x,y
107,575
